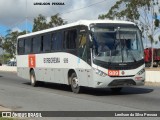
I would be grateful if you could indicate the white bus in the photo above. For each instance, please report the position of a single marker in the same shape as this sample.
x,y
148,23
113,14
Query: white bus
x,y
90,53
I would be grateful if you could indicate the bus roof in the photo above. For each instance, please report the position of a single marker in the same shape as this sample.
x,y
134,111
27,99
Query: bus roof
x,y
80,22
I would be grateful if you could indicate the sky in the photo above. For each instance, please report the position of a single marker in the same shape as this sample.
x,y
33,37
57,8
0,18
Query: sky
x,y
19,14
13,13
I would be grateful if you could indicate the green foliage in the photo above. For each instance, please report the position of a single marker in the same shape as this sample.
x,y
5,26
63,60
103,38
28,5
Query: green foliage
x,y
40,23
143,12
151,38
127,9
56,21
156,22
159,37
7,57
156,42
10,41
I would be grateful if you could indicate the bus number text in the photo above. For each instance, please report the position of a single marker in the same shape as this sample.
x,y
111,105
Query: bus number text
x,y
113,72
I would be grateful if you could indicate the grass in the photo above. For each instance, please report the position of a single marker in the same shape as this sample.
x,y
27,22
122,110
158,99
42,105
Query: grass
x,y
5,118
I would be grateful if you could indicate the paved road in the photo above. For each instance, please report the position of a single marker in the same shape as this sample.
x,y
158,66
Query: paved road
x,y
17,94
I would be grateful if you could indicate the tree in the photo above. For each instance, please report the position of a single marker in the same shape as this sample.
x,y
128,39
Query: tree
x,y
56,21
10,41
143,12
1,41
5,58
40,23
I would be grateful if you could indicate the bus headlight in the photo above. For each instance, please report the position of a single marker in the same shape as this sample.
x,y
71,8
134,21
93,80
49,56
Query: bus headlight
x,y
141,72
99,72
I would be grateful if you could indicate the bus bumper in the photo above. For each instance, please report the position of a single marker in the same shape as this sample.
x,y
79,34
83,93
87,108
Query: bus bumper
x,y
111,82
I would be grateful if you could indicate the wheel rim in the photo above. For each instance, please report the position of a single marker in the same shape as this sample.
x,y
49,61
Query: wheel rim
x,y
75,82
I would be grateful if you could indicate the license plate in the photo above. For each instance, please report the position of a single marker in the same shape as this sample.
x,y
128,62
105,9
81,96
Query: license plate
x,y
113,72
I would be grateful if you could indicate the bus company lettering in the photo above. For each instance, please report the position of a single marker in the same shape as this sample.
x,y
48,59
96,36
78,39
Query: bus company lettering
x,y
32,61
51,60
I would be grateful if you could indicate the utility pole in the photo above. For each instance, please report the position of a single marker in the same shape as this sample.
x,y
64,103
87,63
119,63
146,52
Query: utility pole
x,y
1,40
26,16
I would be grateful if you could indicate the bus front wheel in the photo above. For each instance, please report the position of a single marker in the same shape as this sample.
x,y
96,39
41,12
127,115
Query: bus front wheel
x,y
33,79
74,83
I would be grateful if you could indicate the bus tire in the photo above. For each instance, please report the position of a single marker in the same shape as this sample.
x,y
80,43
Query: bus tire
x,y
116,90
33,79
74,83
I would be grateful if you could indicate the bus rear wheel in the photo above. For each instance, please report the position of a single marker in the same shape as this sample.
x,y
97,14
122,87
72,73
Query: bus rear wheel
x,y
116,90
74,84
33,79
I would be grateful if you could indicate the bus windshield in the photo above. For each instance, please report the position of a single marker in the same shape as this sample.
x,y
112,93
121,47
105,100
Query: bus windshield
x,y
116,44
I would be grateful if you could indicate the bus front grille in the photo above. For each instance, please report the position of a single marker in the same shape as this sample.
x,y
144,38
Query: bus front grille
x,y
122,82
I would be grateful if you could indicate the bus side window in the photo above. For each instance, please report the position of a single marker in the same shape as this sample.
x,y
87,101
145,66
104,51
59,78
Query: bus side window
x,y
35,45
46,43
27,46
53,42
21,47
70,39
41,43
82,46
57,41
